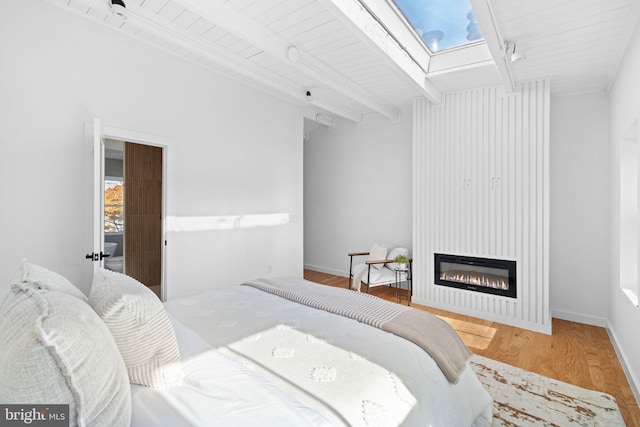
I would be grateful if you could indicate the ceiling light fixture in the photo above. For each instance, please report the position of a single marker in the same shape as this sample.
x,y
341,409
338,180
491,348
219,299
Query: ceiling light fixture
x,y
323,119
118,9
292,54
308,96
513,54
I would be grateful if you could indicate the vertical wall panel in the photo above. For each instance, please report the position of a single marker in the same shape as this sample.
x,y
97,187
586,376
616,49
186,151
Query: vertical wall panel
x,y
481,189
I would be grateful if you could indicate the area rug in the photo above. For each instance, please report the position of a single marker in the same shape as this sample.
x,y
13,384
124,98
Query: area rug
x,y
522,398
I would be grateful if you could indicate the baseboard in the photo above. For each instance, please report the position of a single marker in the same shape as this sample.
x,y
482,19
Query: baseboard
x,y
535,327
633,381
327,270
579,318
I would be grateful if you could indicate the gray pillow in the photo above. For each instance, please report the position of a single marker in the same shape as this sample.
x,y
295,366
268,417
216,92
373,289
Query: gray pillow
x,y
43,278
56,350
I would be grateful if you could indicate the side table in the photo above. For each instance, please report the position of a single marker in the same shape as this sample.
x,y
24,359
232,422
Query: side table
x,y
400,273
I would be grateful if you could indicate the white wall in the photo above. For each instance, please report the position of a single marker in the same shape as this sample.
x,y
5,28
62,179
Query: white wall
x,y
232,150
357,190
481,189
579,189
624,110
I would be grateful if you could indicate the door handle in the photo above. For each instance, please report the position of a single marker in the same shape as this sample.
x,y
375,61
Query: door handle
x,y
97,257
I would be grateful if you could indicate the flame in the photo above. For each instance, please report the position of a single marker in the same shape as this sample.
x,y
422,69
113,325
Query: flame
x,y
476,279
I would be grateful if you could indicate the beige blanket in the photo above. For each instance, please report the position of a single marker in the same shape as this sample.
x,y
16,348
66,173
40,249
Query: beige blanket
x,y
429,332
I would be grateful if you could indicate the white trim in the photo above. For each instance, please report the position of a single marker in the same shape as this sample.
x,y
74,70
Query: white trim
x,y
326,270
579,318
163,143
634,382
532,326
134,136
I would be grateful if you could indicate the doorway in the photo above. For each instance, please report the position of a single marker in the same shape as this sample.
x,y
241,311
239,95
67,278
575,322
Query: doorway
x,y
133,211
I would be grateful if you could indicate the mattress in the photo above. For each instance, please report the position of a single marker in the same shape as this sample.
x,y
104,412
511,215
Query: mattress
x,y
253,358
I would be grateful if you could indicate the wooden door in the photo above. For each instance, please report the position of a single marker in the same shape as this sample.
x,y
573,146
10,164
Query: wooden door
x,y
143,214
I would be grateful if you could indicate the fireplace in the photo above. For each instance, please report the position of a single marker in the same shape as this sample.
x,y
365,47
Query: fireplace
x,y
491,276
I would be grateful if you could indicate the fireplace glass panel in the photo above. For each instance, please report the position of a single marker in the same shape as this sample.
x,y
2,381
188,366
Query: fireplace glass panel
x,y
486,275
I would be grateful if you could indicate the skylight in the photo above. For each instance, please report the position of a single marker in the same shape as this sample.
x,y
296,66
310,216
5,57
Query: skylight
x,y
442,24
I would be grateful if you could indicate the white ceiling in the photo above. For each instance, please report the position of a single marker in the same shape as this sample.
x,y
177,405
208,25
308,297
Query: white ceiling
x,y
343,53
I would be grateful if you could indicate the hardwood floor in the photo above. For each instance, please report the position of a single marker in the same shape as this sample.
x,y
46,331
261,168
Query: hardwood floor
x,y
576,353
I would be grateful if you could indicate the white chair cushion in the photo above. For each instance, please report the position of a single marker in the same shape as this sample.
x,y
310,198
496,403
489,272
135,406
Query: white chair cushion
x,y
375,277
377,253
56,350
394,253
140,326
42,278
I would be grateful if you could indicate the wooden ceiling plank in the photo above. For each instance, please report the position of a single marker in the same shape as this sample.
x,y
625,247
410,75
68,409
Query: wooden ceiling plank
x,y
257,9
171,11
215,33
318,36
79,6
201,26
327,45
246,29
186,19
286,11
97,14
574,17
558,27
154,6
312,23
303,16
241,4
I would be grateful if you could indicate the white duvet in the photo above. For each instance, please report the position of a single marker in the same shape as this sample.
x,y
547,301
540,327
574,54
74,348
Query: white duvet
x,y
266,360
217,391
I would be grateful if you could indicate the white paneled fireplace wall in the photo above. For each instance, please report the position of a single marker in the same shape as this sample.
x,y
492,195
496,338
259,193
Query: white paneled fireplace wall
x,y
481,189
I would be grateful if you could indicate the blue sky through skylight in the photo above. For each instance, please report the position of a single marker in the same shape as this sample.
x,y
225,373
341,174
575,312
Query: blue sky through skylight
x,y
442,24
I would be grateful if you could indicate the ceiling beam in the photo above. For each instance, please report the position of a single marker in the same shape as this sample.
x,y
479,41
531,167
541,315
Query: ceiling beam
x,y
253,74
243,27
356,17
486,18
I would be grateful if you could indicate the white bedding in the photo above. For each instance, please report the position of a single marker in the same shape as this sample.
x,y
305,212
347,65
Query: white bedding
x,y
282,363
217,391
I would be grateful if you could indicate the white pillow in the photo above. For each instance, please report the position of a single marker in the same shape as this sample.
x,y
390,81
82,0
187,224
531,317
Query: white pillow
x,y
56,350
394,253
43,278
377,253
140,326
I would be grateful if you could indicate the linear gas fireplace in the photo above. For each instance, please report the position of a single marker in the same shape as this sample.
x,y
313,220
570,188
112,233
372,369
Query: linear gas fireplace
x,y
491,276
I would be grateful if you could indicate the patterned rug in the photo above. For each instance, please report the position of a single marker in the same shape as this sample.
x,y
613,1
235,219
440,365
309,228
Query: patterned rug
x,y
522,398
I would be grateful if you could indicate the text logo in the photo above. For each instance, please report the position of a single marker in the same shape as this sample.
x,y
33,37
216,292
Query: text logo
x,y
34,415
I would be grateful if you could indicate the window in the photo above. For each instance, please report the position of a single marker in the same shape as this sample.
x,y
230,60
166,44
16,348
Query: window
x,y
628,211
441,24
113,205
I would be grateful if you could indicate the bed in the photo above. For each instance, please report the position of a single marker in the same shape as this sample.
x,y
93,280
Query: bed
x,y
261,353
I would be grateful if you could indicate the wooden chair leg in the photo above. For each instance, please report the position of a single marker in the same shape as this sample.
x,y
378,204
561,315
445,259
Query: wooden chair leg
x,y
350,271
368,277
